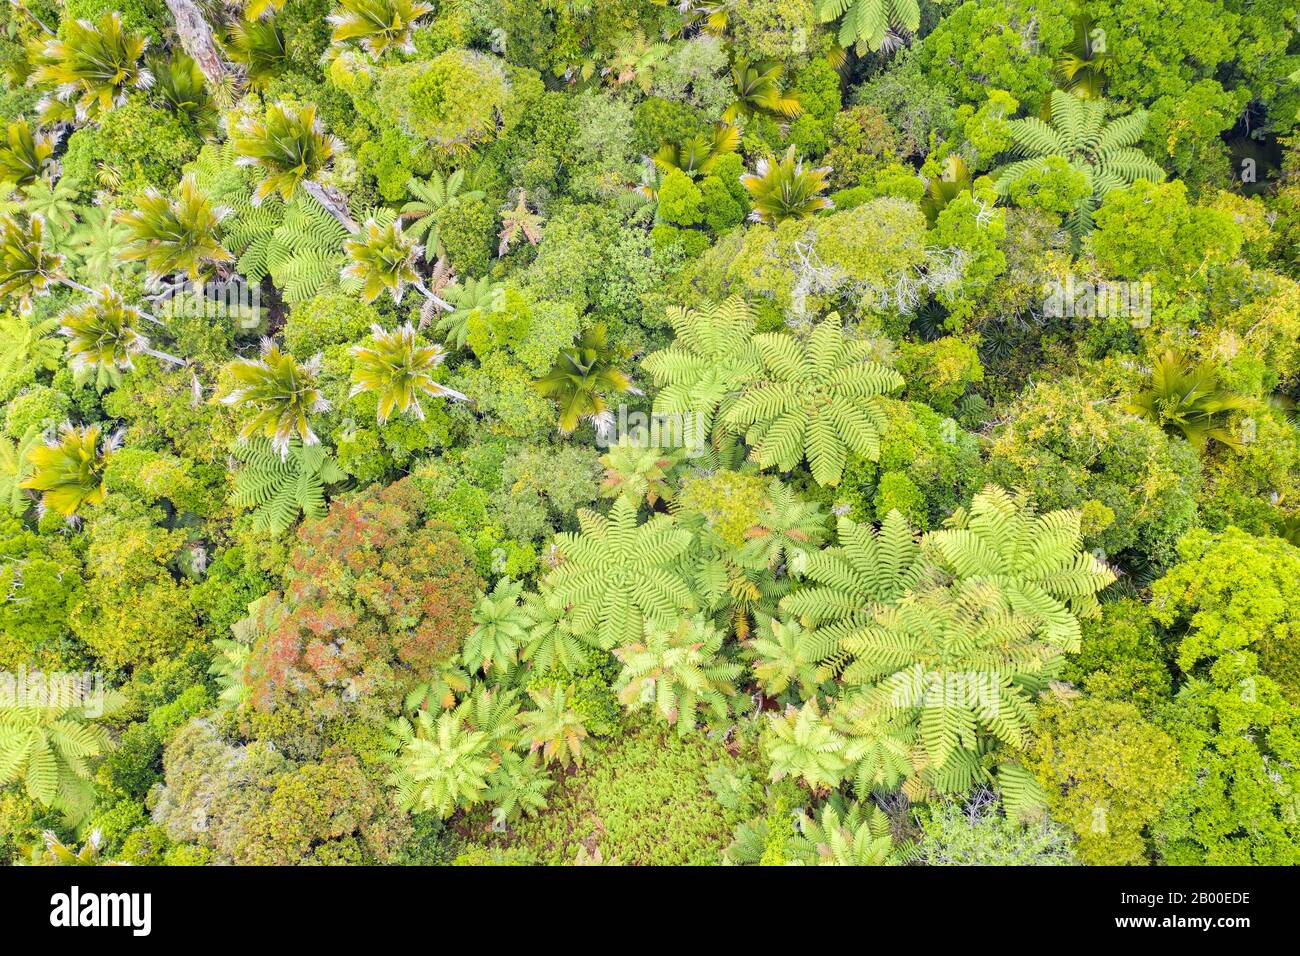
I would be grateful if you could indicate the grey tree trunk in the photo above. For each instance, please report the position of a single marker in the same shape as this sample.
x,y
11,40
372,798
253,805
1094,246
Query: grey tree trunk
x,y
197,40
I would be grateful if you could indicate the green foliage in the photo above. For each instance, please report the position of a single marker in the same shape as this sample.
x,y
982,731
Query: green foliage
x,y
821,401
643,798
1236,739
452,100
288,146
782,189
281,487
132,148
1107,773
47,740
1231,592
1065,447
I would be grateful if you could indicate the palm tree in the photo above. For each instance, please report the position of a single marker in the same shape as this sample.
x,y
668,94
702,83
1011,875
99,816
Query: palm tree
x,y
24,155
398,367
758,90
179,84
69,470
580,376
175,235
947,186
97,63
700,154
382,258
782,189
379,25
280,392
1078,133
1184,398
26,267
433,197
259,46
57,853
289,146
104,333
1083,64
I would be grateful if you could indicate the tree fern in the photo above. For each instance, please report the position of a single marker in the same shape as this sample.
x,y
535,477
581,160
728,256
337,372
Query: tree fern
x,y
802,743
517,787
553,729
47,742
440,764
279,489
618,575
819,401
843,834
501,626
865,24
709,362
789,531
786,657
952,657
15,467
552,641
1038,561
1078,133
679,671
426,210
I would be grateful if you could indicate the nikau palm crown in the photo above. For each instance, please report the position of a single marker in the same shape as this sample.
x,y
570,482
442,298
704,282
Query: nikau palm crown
x,y
398,368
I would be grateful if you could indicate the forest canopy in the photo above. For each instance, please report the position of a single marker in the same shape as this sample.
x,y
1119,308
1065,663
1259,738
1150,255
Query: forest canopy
x,y
828,432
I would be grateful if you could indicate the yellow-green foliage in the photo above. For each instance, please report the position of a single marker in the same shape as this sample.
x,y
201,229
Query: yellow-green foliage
x,y
643,798
1107,773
